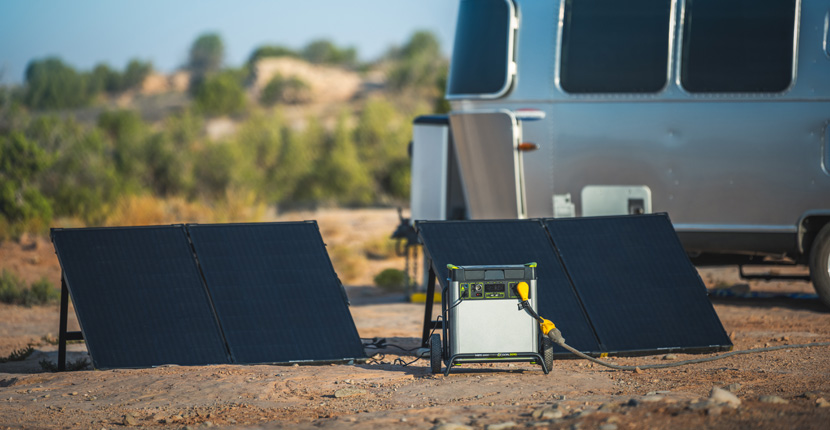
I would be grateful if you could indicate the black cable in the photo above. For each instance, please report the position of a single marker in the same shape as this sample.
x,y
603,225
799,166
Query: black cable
x,y
685,362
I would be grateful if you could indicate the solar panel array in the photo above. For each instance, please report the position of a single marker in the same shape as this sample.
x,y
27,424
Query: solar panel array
x,y
619,285
206,294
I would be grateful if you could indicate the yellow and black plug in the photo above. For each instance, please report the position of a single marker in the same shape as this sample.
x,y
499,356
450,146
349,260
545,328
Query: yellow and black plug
x,y
548,328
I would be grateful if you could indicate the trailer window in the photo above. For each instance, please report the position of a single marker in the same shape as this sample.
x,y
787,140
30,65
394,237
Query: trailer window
x,y
737,45
482,53
613,46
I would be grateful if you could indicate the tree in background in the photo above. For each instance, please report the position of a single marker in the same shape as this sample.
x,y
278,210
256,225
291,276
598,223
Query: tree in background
x,y
271,51
51,84
323,51
419,63
21,202
339,174
135,73
206,54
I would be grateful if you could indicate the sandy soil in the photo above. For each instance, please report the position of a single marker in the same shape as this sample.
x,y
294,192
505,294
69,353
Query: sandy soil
x,y
780,389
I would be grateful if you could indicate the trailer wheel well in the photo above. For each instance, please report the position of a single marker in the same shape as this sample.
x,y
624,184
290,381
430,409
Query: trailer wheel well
x,y
810,226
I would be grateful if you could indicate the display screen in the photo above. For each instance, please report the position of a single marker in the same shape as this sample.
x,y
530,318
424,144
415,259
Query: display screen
x,y
493,288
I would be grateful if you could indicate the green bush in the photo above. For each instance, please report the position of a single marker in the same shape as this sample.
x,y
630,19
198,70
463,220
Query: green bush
x,y
221,94
271,51
11,287
391,280
279,89
14,291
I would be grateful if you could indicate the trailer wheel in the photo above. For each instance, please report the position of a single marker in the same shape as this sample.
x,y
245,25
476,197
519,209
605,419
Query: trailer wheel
x,y
820,264
547,353
435,353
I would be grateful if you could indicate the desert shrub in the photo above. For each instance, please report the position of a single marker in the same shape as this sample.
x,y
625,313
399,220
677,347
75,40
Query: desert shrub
x,y
18,354
213,168
391,280
14,291
83,180
289,90
71,366
380,248
347,263
220,94
43,292
11,287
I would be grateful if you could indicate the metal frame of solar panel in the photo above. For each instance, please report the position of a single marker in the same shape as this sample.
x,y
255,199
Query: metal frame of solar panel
x,y
602,307
467,243
275,292
637,285
139,297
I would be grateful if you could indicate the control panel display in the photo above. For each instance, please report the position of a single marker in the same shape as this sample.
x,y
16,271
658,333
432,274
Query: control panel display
x,y
489,290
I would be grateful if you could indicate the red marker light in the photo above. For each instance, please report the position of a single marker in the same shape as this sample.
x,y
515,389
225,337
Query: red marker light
x,y
527,146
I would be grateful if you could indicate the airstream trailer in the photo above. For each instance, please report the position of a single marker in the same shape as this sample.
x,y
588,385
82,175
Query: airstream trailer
x,y
714,111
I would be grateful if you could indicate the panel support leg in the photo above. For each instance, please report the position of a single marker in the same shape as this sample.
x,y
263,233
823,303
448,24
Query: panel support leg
x,y
64,313
430,298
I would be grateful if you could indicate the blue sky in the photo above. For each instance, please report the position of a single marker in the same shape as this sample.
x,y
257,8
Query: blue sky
x,y
87,32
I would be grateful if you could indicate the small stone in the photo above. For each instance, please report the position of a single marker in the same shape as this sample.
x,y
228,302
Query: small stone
x,y
721,396
652,399
608,426
208,424
670,357
810,395
479,396
295,365
501,426
733,387
638,370
583,414
452,426
129,420
349,392
607,407
548,413
633,402
773,399
822,402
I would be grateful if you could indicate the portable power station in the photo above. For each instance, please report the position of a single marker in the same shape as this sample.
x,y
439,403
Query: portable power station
x,y
484,320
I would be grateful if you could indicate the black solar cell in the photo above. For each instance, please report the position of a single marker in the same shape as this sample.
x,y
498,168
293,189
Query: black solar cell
x,y
139,297
467,243
275,292
638,287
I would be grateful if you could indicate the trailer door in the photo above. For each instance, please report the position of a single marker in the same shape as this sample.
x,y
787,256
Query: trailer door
x,y
486,144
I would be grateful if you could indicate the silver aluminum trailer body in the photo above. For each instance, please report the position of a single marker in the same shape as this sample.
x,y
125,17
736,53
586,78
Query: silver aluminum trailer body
x,y
742,165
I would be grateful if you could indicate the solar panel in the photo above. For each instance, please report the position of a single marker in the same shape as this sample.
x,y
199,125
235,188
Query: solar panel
x,y
276,293
139,297
637,285
467,243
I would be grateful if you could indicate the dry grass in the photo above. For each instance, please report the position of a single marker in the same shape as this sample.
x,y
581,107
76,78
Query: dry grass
x,y
149,210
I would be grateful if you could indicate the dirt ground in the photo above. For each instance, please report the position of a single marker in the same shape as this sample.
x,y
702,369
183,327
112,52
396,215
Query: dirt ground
x,y
788,388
